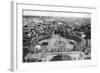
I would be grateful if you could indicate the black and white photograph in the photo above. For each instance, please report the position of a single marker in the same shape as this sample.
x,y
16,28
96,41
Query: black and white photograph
x,y
52,36
55,37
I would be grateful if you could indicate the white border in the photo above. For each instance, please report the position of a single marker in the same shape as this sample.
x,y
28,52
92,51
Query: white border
x,y
17,38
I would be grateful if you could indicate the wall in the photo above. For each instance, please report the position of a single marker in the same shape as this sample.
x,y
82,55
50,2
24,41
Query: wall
x,y
5,34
